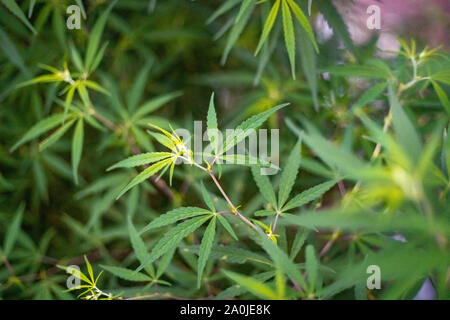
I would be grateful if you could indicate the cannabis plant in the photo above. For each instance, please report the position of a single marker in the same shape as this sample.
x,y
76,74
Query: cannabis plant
x,y
219,150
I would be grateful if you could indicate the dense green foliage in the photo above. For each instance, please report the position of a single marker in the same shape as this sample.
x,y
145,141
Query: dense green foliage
x,y
88,154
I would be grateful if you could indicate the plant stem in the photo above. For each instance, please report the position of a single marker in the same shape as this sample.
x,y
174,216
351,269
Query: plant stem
x,y
225,196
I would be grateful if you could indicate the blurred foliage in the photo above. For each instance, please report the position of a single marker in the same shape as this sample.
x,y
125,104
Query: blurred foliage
x,y
364,153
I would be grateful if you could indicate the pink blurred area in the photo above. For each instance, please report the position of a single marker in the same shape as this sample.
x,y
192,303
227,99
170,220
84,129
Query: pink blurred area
x,y
426,20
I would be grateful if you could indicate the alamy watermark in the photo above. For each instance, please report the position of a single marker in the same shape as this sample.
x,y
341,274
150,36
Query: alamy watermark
x,y
374,280
74,20
374,20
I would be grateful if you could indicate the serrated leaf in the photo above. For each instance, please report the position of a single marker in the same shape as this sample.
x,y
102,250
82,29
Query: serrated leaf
x,y
77,148
11,52
312,267
236,31
38,129
233,254
442,96
137,89
265,187
172,238
12,231
256,287
405,132
55,136
237,289
205,249
370,95
144,175
224,222
281,260
174,216
94,38
207,198
309,195
226,6
336,22
309,65
211,124
289,174
155,103
359,71
139,247
244,6
268,25
245,128
90,270
15,9
164,264
289,36
127,274
299,241
304,22
141,159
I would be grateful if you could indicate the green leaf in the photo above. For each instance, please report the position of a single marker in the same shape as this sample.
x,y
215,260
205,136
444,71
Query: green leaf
x,y
224,222
268,25
312,267
309,65
304,22
95,36
370,95
11,52
245,128
259,289
76,58
233,254
172,238
404,130
442,76
207,198
174,216
265,187
144,175
243,8
299,241
15,9
289,174
237,289
90,271
136,91
211,124
127,274
55,136
289,36
141,159
236,30
12,231
38,129
442,96
164,262
205,249
309,195
226,6
139,247
359,71
77,148
281,260
350,219
336,22
155,103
